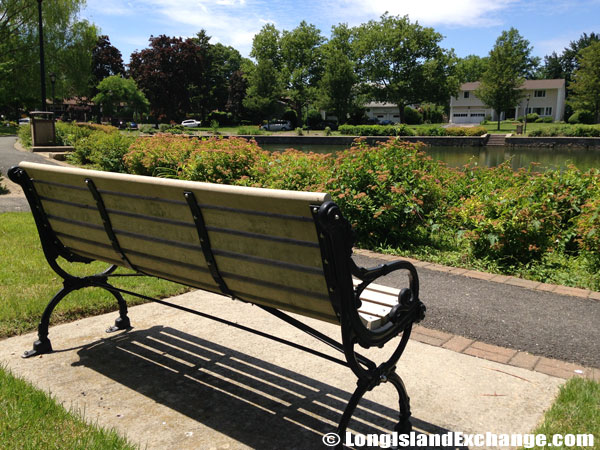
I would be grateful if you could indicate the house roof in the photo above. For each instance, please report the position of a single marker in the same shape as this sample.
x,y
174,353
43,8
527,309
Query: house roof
x,y
380,105
529,84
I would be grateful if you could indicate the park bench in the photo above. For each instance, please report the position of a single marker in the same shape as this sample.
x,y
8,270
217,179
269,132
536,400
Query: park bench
x,y
283,251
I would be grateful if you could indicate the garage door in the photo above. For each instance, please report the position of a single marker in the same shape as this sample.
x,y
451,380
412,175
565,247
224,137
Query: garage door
x,y
476,116
460,117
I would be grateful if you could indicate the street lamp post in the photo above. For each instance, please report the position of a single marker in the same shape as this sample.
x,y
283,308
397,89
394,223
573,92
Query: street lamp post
x,y
526,112
52,82
42,68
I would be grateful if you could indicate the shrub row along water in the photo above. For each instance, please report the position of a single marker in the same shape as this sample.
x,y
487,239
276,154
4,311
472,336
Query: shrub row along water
x,y
404,130
396,197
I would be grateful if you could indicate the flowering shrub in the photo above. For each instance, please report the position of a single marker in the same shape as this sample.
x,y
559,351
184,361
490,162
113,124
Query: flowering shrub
x,y
105,151
219,160
159,154
387,192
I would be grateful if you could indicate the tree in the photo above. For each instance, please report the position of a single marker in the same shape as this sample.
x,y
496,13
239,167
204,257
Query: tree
x,y
166,72
67,43
402,63
339,80
221,63
106,60
116,94
508,64
471,68
264,90
236,94
586,81
302,64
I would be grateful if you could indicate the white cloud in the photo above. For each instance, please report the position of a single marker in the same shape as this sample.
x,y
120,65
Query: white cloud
x,y
463,13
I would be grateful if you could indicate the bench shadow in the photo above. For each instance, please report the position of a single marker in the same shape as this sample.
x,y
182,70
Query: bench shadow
x,y
257,403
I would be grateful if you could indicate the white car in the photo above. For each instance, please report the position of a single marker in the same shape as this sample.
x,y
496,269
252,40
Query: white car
x,y
278,125
191,123
24,121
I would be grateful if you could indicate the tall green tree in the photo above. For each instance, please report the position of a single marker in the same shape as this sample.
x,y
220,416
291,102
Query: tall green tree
x,y
586,81
508,63
402,62
120,95
264,90
302,60
471,68
68,44
338,85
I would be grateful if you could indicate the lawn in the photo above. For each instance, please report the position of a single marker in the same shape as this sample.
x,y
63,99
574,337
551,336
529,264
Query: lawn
x,y
510,126
27,283
31,419
575,411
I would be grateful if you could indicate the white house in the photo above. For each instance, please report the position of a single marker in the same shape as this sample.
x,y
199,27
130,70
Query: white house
x,y
544,97
380,111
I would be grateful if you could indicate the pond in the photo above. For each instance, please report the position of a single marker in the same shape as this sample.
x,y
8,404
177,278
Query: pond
x,y
548,158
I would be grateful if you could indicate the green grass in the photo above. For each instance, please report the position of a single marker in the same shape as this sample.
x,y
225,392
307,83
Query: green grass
x,y
30,419
575,411
510,126
8,131
27,283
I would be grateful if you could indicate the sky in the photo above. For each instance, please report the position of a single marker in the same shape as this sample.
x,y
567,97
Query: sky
x,y
468,26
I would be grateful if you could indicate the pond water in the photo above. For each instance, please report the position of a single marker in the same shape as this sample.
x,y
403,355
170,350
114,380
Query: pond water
x,y
548,158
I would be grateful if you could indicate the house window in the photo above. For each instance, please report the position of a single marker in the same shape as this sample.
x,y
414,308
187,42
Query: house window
x,y
460,115
478,115
380,116
396,116
466,94
548,111
539,94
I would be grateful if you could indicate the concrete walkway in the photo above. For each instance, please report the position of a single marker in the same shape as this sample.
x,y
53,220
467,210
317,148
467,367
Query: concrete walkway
x,y
180,381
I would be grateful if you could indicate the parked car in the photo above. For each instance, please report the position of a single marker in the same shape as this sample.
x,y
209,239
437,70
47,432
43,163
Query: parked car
x,y
24,121
386,122
191,123
278,125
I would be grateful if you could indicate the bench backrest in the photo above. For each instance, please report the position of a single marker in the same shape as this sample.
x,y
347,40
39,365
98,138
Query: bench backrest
x,y
264,241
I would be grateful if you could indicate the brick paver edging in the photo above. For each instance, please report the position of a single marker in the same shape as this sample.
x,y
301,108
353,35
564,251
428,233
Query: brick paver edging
x,y
504,279
460,344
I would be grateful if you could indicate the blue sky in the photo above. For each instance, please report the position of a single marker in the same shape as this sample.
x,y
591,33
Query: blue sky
x,y
468,26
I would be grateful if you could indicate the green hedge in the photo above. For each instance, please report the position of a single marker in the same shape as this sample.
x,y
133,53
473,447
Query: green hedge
x,y
567,131
376,130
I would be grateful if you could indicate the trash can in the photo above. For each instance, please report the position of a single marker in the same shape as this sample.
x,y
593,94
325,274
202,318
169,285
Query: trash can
x,y
42,128
520,129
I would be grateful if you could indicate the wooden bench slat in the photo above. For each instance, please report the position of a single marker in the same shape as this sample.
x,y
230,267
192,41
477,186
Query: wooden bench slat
x,y
268,200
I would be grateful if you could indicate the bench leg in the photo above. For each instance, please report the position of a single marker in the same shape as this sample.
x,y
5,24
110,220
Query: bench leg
x,y
404,426
363,386
122,322
43,345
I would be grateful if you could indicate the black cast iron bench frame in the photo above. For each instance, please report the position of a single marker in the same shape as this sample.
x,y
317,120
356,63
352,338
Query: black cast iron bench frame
x,y
336,242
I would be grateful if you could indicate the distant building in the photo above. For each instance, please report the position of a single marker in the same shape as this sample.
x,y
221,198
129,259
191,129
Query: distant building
x,y
546,98
379,111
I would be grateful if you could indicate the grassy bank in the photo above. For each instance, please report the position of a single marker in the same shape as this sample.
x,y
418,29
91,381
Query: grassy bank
x,y
30,419
27,283
575,411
